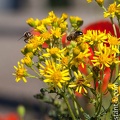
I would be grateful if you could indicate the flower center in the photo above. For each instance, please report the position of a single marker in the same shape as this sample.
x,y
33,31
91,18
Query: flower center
x,y
54,51
80,81
65,61
56,76
21,72
103,58
113,41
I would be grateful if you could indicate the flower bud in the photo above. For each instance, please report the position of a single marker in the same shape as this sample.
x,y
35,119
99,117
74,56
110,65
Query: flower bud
x,y
76,51
100,2
21,111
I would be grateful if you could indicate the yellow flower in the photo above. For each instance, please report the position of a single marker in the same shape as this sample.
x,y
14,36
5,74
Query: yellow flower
x,y
48,65
46,36
76,21
111,86
54,52
113,9
104,57
63,26
95,36
56,32
64,16
53,18
89,1
115,100
27,61
64,60
112,40
21,72
100,2
42,28
80,59
81,82
54,74
29,54
52,14
46,22
30,22
33,23
35,42
114,43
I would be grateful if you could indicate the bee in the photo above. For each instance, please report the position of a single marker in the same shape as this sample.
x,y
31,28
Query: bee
x,y
74,35
27,35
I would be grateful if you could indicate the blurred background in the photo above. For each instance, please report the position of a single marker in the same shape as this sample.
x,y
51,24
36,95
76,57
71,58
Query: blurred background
x,y
13,16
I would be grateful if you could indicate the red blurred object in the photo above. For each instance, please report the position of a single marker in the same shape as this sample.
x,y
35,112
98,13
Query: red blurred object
x,y
9,116
12,116
102,25
106,79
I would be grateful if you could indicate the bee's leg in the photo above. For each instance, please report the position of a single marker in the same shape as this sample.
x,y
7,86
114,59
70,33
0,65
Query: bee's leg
x,y
25,40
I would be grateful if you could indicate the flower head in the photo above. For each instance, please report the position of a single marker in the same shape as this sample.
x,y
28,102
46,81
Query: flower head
x,y
95,36
21,72
55,75
54,52
104,57
76,21
27,61
81,82
80,58
113,10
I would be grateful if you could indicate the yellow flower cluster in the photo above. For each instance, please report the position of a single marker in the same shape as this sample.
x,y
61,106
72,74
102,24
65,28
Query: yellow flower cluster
x,y
113,10
70,61
56,61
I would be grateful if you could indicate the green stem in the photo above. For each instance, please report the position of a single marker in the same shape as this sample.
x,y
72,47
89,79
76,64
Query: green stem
x,y
76,108
77,103
35,72
99,104
69,108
